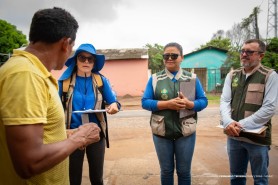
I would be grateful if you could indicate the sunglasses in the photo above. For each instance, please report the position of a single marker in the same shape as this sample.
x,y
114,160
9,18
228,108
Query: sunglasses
x,y
82,59
248,52
173,56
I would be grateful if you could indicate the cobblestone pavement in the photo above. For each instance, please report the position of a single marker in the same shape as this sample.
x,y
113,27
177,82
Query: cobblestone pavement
x,y
131,158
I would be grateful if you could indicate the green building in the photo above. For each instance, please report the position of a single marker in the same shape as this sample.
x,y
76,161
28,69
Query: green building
x,y
207,64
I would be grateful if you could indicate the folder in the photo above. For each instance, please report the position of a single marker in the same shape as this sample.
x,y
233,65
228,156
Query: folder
x,y
188,89
259,131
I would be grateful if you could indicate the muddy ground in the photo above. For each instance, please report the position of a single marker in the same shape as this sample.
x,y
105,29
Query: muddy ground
x,y
131,158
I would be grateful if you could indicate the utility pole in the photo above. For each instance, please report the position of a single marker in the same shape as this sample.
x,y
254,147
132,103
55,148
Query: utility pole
x,y
272,20
252,20
255,22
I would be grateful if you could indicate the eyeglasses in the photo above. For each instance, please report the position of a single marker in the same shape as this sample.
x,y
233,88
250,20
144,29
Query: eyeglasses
x,y
173,56
248,52
82,59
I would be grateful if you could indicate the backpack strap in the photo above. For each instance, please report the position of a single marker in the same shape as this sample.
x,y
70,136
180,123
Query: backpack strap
x,y
68,87
102,117
65,85
97,87
98,80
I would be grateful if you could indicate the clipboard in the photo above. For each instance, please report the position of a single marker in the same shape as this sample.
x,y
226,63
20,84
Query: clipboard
x,y
188,89
89,111
259,131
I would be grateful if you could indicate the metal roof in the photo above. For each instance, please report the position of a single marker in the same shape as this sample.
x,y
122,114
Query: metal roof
x,y
127,53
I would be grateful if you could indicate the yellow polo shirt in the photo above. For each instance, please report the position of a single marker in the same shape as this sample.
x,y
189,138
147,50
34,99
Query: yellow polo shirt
x,y
29,95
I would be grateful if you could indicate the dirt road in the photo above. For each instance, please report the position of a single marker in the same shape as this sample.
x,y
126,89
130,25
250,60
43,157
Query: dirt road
x,y
131,158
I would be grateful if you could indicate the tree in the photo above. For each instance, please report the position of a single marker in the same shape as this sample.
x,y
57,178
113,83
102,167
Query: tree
x,y
252,20
218,34
237,36
225,43
155,53
219,42
10,38
271,55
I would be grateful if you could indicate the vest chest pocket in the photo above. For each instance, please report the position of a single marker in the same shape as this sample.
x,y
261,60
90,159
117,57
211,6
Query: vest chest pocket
x,y
188,126
158,125
255,93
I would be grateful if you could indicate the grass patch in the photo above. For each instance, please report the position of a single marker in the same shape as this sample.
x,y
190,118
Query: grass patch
x,y
213,98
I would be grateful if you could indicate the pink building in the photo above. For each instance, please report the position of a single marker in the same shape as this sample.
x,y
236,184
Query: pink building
x,y
126,69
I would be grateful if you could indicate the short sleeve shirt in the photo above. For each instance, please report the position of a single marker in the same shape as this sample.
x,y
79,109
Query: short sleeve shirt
x,y
29,95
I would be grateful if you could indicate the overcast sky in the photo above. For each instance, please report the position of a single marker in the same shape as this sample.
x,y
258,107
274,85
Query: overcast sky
x,y
115,24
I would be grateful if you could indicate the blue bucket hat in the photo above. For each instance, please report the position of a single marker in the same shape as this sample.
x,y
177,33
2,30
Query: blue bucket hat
x,y
71,62
100,59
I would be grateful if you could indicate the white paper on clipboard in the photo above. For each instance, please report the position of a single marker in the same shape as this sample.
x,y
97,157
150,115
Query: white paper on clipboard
x,y
187,87
89,111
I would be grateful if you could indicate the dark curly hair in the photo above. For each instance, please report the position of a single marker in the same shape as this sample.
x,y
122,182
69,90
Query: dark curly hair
x,y
51,25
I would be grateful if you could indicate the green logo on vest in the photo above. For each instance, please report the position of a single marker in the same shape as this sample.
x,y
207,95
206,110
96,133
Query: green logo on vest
x,y
235,82
164,94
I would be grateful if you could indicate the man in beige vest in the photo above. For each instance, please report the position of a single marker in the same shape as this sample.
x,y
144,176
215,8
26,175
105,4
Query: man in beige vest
x,y
248,101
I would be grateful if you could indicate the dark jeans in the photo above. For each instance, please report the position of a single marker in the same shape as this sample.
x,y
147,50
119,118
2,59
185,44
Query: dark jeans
x,y
240,153
175,153
95,155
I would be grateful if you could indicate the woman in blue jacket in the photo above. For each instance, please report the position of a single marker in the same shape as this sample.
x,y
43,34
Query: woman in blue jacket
x,y
82,87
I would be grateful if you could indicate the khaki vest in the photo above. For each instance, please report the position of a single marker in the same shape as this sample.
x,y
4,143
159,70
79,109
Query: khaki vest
x,y
85,117
247,98
165,89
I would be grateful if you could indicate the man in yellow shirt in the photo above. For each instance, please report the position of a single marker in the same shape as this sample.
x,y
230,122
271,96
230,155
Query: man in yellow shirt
x,y
34,147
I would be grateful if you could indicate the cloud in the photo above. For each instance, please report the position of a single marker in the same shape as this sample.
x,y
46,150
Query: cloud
x,y
92,10
134,23
20,12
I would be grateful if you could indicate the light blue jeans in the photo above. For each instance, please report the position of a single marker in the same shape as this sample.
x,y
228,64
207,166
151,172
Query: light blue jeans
x,y
240,153
173,153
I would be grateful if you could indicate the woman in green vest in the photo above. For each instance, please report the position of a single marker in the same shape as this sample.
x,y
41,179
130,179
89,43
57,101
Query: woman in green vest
x,y
173,119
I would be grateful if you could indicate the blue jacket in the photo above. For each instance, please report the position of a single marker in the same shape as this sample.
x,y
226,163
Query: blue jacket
x,y
149,103
84,98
